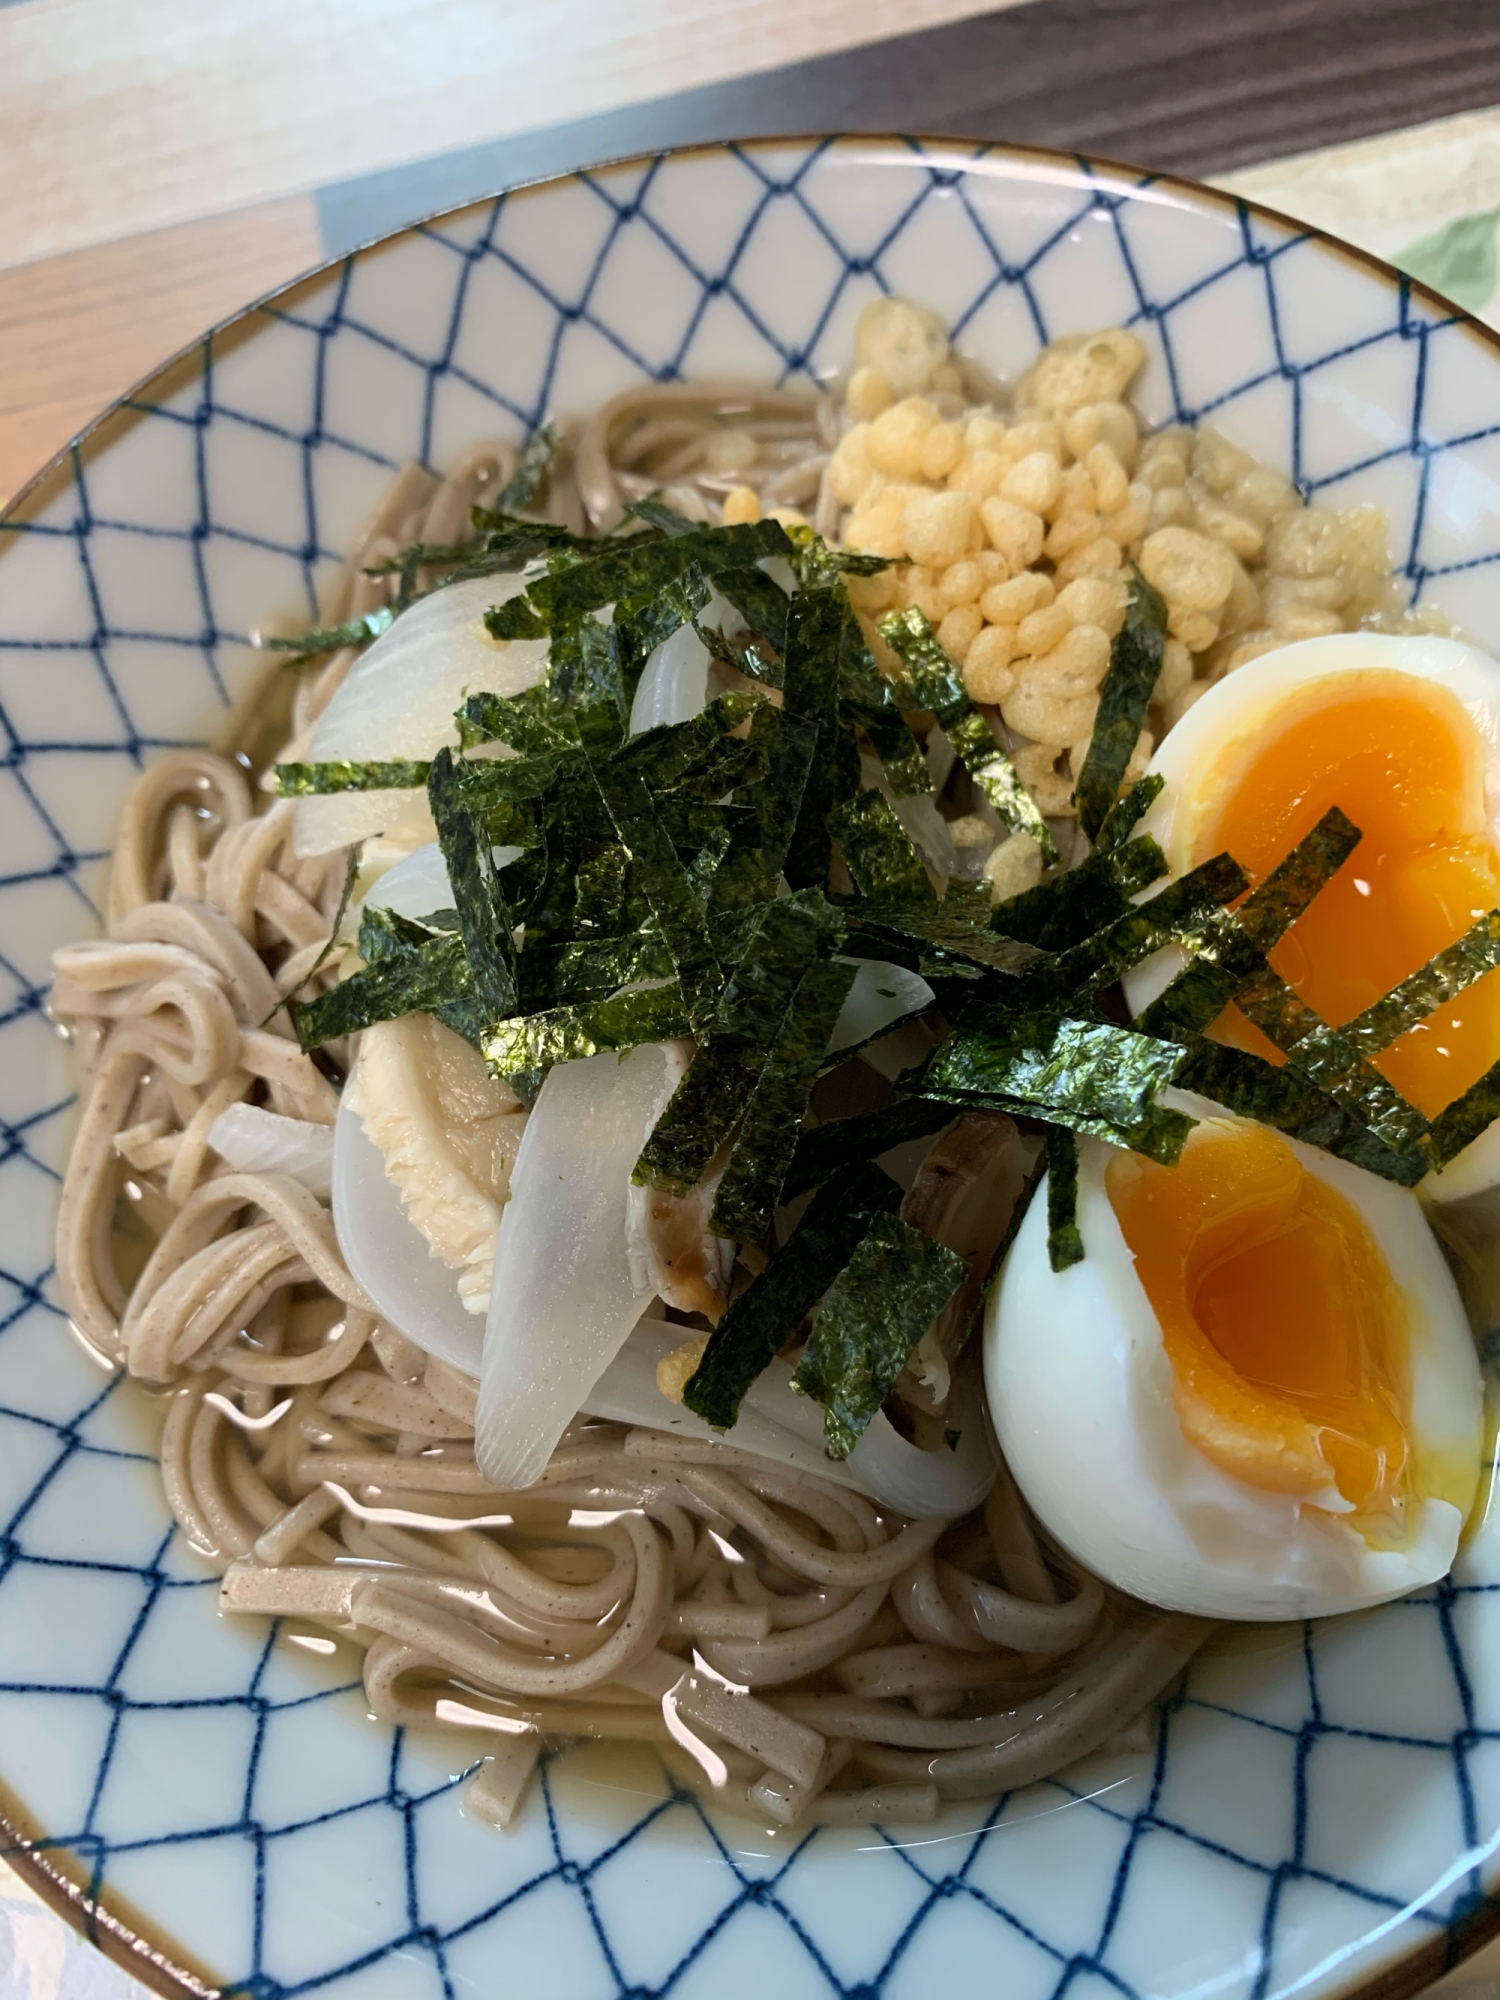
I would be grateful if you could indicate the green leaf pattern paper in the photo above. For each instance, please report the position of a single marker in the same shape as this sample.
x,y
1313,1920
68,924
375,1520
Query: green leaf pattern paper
x,y
1459,260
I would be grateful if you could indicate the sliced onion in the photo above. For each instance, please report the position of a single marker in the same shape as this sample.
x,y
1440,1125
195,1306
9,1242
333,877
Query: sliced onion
x,y
880,994
929,832
391,1258
923,1484
626,1393
918,813
399,701
263,1142
674,685
418,884
416,1292
778,1424
563,1297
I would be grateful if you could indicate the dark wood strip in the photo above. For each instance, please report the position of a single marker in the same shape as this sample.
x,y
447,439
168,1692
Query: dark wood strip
x,y
1185,86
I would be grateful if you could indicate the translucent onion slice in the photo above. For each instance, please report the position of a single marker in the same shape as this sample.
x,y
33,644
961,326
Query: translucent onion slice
x,y
674,686
563,1296
880,994
929,831
418,884
416,1293
918,813
263,1142
777,1424
924,1484
391,1258
398,702
626,1393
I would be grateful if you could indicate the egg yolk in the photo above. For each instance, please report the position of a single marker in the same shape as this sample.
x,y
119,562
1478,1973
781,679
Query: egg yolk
x,y
1404,761
1286,1336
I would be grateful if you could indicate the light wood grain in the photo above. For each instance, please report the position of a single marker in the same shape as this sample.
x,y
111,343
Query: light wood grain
x,y
79,330
123,115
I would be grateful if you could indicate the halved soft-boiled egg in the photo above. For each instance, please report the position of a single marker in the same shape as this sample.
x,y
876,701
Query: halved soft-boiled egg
x,y
1402,734
1257,1397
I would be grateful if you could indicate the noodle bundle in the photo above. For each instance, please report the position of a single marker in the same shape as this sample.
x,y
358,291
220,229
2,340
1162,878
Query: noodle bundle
x,y
789,1647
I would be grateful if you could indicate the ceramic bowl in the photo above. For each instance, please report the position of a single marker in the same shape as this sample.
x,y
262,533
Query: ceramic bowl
x,y
1315,1809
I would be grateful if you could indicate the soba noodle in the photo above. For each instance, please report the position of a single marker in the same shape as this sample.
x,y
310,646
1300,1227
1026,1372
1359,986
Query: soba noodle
x,y
771,1633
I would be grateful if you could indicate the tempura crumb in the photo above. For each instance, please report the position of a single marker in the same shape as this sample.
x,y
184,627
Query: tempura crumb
x,y
675,1370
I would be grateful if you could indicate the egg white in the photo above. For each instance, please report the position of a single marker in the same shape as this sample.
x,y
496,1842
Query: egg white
x,y
1233,713
1080,1389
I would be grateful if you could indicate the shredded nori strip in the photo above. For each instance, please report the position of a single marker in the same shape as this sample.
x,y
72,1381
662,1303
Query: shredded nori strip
x,y
554,975
877,1309
395,774
333,638
585,698
1064,1237
1181,906
758,598
788,937
743,651
1128,811
386,937
752,863
528,722
817,564
766,1316
532,1044
1461,1122
810,691
1224,964
655,512
593,681
505,544
665,885
1124,697
1330,1061
900,753
632,573
751,1188
1073,906
532,468
1269,912
1447,974
484,917
409,970
944,934
517,618
670,755
849,1142
1287,1101
1090,1075
932,680
346,897
997,777
878,850
935,683
646,623
1230,952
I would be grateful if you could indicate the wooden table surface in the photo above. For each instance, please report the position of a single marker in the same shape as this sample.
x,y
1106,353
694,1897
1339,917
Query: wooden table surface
x,y
163,165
